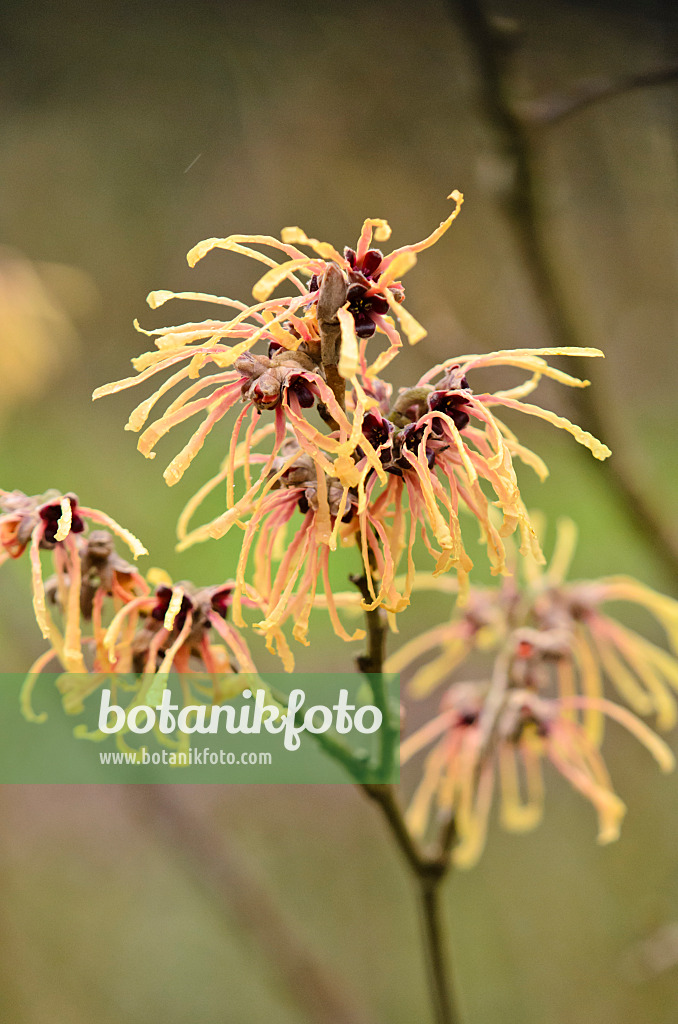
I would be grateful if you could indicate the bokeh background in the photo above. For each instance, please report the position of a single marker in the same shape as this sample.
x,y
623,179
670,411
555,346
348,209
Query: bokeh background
x,y
131,131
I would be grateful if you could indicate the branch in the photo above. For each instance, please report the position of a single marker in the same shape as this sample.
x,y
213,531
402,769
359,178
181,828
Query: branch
x,y
331,298
375,620
431,865
328,742
555,107
429,868
436,945
515,140
429,871
230,886
371,665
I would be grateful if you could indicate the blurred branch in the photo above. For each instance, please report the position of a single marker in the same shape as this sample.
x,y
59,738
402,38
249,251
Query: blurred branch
x,y
228,884
34,986
515,141
555,107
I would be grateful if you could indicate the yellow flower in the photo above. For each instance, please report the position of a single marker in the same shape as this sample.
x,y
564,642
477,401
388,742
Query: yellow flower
x,y
483,735
56,522
396,469
560,637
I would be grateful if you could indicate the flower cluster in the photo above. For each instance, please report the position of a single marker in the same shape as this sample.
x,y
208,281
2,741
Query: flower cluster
x,y
171,628
85,569
329,454
321,451
131,627
481,736
553,648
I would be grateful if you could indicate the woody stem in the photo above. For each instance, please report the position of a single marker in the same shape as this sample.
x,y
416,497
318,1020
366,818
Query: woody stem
x,y
331,298
171,815
428,867
518,144
444,1008
371,664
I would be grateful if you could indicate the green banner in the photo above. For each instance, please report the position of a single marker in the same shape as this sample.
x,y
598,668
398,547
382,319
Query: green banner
x,y
274,728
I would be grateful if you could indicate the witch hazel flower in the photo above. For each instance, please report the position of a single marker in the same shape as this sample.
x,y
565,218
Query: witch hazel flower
x,y
107,583
643,674
289,531
266,379
297,500
372,278
176,628
401,467
172,629
287,383
288,323
479,623
561,637
442,441
430,457
56,523
482,743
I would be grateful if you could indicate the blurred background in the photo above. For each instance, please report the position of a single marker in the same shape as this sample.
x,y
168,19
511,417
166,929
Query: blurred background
x,y
130,132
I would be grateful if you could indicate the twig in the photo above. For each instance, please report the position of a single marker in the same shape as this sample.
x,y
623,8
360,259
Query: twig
x,y
494,703
371,664
433,864
331,298
515,140
329,743
375,620
430,892
230,886
429,868
555,107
